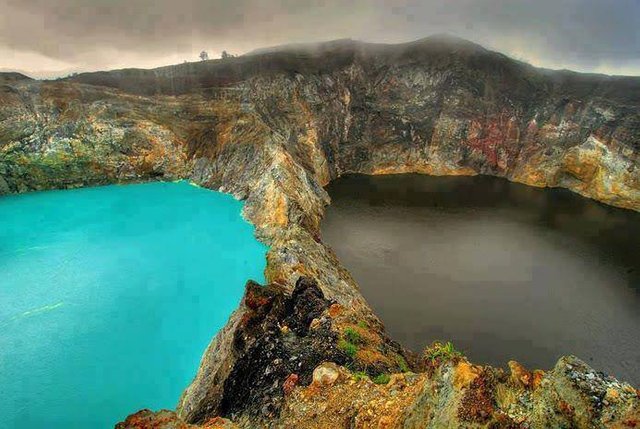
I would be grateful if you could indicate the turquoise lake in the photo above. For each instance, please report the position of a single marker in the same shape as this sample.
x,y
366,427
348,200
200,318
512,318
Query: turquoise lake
x,y
110,295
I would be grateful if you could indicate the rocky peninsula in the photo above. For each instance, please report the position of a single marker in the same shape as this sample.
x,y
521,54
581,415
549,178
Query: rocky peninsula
x,y
273,128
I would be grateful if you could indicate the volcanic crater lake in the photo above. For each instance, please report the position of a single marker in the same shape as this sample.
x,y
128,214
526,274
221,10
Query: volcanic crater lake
x,y
503,270
110,295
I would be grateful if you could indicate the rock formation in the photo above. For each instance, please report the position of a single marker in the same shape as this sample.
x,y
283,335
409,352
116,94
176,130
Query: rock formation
x,y
273,128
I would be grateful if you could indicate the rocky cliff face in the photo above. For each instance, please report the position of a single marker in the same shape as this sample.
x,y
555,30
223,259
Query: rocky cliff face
x,y
273,128
437,106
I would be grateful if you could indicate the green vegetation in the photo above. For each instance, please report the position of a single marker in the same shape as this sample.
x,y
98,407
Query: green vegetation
x,y
348,348
360,375
349,342
362,324
381,379
352,336
442,352
402,363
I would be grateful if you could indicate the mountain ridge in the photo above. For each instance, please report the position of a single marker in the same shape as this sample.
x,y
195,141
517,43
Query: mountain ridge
x,y
325,56
13,77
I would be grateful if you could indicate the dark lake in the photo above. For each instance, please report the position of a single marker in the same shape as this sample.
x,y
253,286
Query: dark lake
x,y
503,270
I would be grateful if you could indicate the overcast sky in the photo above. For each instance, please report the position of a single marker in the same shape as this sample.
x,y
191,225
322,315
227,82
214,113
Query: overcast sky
x,y
55,37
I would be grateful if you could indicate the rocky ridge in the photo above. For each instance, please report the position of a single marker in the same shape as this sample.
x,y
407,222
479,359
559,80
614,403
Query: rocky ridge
x,y
274,128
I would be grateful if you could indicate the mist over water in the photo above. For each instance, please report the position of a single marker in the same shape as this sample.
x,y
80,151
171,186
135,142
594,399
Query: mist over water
x,y
109,297
503,270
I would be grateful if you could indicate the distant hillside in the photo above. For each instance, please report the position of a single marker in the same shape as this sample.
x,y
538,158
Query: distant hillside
x,y
470,62
6,77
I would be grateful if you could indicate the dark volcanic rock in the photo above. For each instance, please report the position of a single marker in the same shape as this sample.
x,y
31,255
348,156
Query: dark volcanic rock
x,y
272,342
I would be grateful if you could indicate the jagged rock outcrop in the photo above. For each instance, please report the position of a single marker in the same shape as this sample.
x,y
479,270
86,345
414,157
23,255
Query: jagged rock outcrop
x,y
459,394
274,343
273,128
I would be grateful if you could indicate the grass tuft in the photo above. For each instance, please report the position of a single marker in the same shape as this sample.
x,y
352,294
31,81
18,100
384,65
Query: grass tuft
x,y
348,348
360,375
381,379
441,352
352,336
402,363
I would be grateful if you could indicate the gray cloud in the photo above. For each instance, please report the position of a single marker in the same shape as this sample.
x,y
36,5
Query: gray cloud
x,y
589,35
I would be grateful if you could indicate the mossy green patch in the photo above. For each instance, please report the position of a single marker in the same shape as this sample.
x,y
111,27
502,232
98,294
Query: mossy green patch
x,y
348,348
381,379
402,363
352,336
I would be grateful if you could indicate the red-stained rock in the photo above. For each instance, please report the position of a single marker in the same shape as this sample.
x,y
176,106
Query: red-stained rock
x,y
290,383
